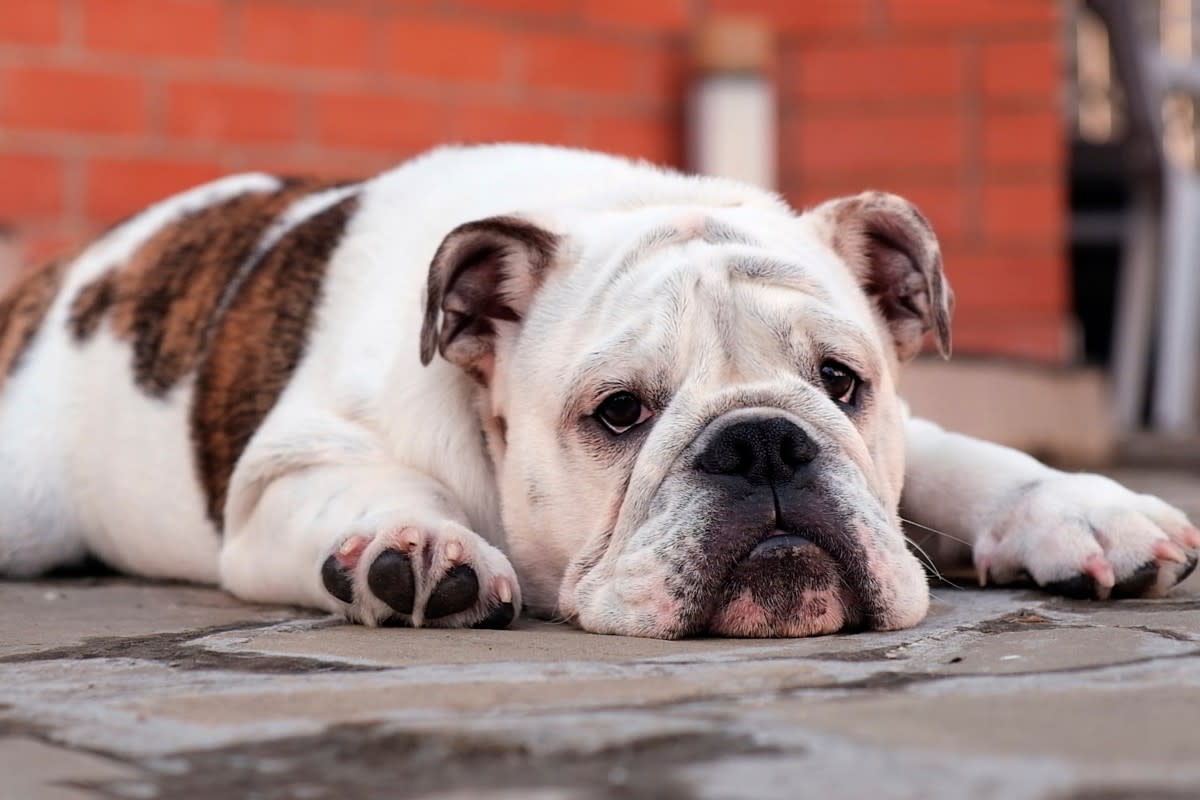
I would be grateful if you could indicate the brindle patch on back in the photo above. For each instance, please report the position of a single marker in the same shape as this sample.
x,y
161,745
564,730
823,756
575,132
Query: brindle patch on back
x,y
166,299
259,343
22,312
91,303
200,299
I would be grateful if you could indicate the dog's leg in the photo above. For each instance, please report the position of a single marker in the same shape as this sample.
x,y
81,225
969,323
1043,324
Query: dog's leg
x,y
1080,535
374,541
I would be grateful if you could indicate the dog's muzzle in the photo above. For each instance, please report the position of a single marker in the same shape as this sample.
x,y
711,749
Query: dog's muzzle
x,y
787,558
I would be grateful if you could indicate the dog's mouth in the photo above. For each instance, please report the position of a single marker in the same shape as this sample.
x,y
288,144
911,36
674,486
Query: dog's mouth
x,y
778,539
786,585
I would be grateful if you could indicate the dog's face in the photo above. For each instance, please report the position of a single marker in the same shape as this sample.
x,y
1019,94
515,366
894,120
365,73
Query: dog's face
x,y
693,412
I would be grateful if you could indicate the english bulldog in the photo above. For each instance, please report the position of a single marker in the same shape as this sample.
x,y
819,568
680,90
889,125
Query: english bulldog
x,y
518,377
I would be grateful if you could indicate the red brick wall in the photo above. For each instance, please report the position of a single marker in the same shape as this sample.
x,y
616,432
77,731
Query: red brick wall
x,y
106,105
955,104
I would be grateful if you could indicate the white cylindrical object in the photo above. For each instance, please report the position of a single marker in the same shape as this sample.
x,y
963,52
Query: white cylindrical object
x,y
732,128
732,118
1177,379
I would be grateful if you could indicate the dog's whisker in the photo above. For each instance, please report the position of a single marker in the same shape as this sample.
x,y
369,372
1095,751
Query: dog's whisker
x,y
949,536
929,562
924,557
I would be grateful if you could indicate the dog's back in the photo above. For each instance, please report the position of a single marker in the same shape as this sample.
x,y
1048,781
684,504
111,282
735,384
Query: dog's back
x,y
165,318
133,376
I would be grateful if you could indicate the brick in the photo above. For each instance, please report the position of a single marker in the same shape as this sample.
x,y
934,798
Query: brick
x,y
494,122
72,100
1016,69
659,15
946,206
539,8
224,112
654,139
42,246
162,28
795,17
304,36
325,163
447,50
380,122
903,141
805,194
926,14
1037,337
1027,211
32,186
31,22
666,74
857,72
580,63
994,280
1024,139
118,187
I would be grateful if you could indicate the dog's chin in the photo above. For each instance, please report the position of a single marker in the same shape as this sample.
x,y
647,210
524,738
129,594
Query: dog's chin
x,y
787,586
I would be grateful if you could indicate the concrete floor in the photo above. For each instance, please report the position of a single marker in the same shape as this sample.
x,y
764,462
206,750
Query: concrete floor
x,y
125,689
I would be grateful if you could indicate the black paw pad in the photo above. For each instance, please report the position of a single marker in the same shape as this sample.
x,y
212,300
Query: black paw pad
x,y
1187,570
337,580
500,618
1080,587
391,580
457,592
1138,582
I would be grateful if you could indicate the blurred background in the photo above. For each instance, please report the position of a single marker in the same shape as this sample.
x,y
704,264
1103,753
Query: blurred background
x,y
1051,142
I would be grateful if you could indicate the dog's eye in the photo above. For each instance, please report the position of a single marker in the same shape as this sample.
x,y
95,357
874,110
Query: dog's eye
x,y
840,382
621,411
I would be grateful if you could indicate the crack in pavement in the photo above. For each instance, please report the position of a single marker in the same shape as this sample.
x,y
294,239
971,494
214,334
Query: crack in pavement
x,y
368,761
179,651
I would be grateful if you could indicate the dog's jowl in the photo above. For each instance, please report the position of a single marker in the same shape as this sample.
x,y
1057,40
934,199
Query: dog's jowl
x,y
512,378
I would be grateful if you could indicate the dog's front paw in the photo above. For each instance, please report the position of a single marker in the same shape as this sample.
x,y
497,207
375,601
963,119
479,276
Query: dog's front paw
x,y
1087,536
441,575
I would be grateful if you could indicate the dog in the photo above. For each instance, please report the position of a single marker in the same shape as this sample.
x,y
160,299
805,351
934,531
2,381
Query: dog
x,y
514,377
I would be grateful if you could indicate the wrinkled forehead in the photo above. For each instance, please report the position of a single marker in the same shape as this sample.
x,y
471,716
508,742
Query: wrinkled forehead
x,y
731,293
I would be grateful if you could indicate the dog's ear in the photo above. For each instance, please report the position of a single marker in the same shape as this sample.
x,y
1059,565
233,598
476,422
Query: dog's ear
x,y
485,272
893,251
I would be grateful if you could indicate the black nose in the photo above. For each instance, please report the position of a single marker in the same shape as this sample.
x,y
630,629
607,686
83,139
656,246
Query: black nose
x,y
763,450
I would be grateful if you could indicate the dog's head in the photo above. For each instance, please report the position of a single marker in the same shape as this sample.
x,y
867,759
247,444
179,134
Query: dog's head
x,y
693,410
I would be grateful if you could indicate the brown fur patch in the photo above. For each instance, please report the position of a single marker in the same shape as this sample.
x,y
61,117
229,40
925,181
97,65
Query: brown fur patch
x,y
22,312
165,299
191,302
91,303
257,346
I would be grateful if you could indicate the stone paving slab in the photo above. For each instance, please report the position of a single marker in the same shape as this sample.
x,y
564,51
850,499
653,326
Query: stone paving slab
x,y
117,688
65,613
34,769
